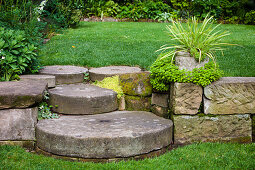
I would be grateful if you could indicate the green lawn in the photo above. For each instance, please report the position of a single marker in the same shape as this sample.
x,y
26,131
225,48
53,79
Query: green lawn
x,y
105,43
195,156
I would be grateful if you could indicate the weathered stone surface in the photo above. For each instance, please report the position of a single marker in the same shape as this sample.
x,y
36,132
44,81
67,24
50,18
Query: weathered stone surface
x,y
184,61
102,72
159,111
109,19
137,103
28,144
136,84
185,98
233,128
82,99
45,78
21,94
160,99
110,135
122,104
230,95
65,74
18,124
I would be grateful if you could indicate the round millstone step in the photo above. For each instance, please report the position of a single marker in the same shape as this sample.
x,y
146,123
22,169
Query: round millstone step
x,y
110,135
65,74
82,99
45,78
102,72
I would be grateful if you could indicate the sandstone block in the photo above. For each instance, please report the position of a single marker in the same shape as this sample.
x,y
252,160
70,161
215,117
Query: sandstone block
x,y
230,95
21,94
137,103
50,80
18,124
136,84
159,111
232,128
102,72
185,98
160,99
109,135
184,61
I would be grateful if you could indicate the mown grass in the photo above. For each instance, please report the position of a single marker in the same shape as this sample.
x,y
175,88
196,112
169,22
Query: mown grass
x,y
96,44
195,156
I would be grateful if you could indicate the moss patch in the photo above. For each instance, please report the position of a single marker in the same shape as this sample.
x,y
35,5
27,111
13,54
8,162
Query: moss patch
x,y
136,84
111,83
137,103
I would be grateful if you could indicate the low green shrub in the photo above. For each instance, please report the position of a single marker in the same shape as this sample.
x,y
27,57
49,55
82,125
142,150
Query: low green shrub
x,y
62,13
163,72
22,15
250,17
17,55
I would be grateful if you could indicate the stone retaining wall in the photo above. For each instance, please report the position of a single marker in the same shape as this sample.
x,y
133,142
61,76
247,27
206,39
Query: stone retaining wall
x,y
222,111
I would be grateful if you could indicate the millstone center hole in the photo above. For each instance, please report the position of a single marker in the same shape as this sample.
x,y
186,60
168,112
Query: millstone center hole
x,y
103,121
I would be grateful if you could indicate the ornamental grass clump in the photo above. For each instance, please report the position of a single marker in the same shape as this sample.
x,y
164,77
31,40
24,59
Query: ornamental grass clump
x,y
200,40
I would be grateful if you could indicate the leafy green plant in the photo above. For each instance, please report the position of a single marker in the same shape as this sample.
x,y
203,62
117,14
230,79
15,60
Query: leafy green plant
x,y
200,40
44,110
250,17
17,55
22,15
86,76
163,72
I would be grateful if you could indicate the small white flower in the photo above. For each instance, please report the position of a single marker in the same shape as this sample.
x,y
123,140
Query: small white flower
x,y
3,57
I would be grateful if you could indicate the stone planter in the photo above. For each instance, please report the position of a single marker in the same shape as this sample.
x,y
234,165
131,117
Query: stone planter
x,y
184,61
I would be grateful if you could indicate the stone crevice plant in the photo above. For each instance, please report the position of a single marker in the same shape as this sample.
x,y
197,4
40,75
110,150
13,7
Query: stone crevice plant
x,y
201,40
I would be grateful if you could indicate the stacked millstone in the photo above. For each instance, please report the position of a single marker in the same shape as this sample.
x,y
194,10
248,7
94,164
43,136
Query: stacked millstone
x,y
18,111
90,128
219,112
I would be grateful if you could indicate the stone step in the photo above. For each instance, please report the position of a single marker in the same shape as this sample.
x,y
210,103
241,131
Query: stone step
x,y
21,94
51,80
102,72
65,74
109,135
82,99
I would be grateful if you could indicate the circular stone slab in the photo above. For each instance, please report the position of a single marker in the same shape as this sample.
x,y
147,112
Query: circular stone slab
x,y
82,99
65,74
45,78
102,72
110,135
